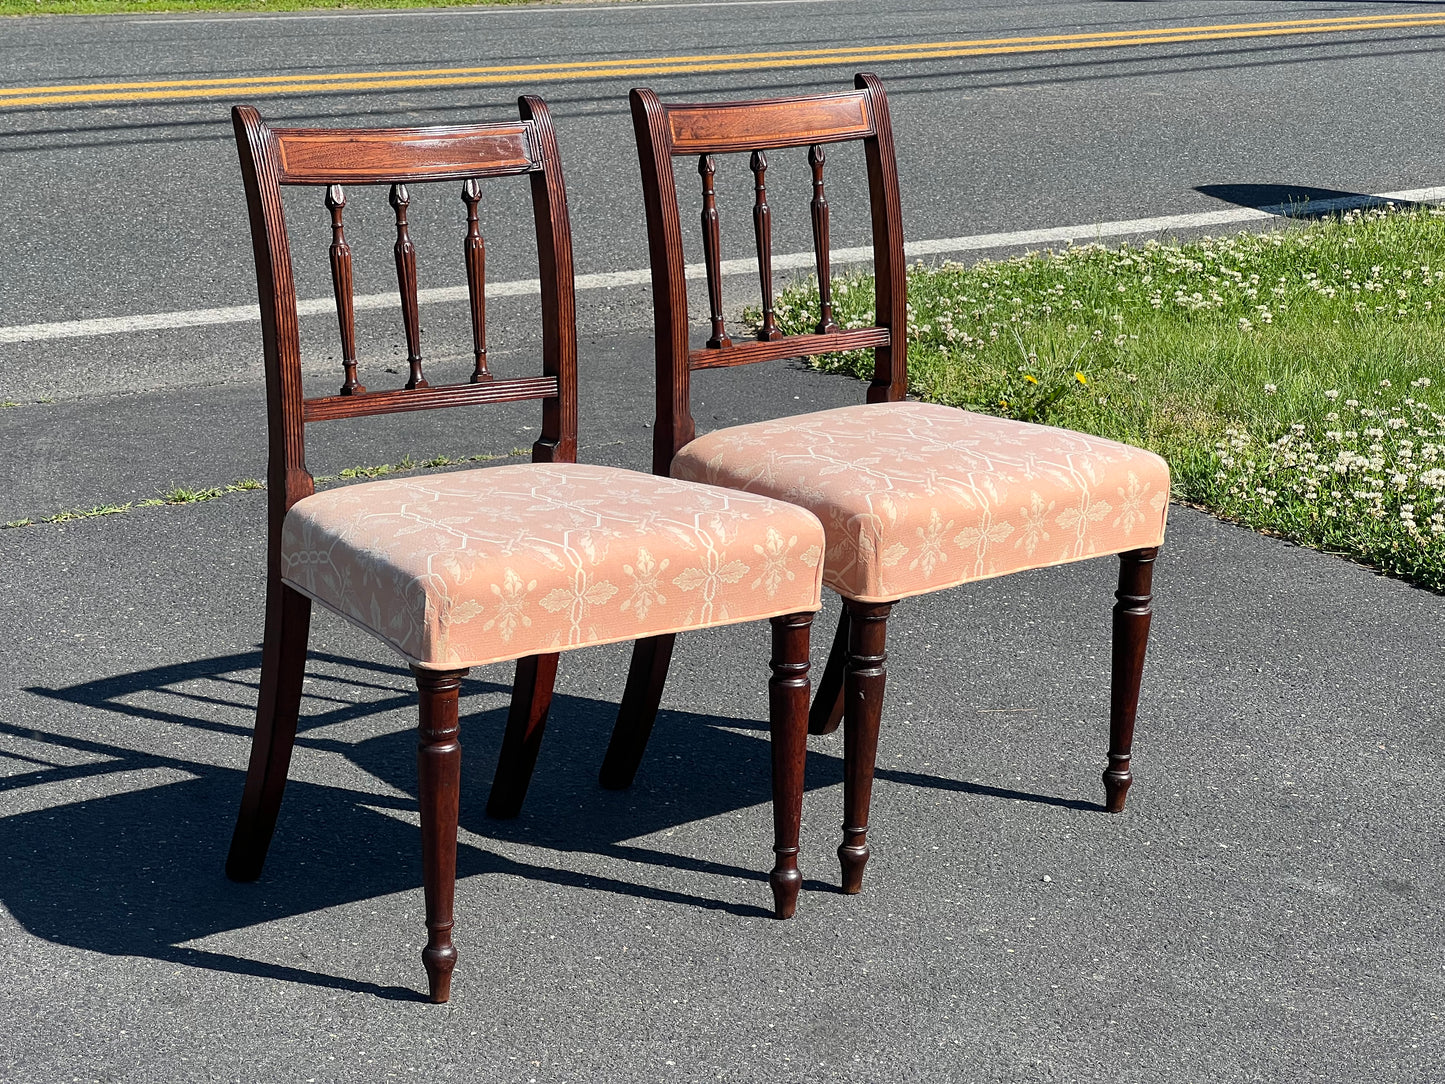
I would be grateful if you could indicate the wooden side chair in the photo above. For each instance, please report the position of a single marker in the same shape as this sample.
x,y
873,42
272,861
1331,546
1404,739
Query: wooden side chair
x,y
511,562
913,497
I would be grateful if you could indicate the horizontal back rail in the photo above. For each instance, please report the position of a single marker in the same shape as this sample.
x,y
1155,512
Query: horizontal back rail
x,y
328,407
793,346
723,127
402,155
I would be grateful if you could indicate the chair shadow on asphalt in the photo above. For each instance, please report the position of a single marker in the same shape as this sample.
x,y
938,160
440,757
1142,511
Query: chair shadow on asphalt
x,y
139,873
1294,200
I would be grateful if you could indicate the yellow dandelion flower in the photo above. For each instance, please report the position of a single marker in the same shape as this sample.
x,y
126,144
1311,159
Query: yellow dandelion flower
x,y
1082,379
1031,379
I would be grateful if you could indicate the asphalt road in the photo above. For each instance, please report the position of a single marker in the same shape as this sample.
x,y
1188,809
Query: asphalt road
x,y
1268,908
121,208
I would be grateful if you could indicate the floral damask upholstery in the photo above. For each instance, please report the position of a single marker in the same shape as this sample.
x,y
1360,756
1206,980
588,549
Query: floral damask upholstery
x,y
458,570
916,497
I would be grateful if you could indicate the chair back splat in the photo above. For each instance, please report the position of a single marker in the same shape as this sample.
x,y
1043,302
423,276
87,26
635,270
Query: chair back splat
x,y
330,158
665,132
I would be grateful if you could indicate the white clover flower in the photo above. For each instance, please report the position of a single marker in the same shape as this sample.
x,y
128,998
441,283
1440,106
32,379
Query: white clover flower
x,y
1270,389
1332,394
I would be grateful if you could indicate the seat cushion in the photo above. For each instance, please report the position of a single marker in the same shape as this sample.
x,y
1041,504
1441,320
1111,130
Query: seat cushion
x,y
480,566
916,497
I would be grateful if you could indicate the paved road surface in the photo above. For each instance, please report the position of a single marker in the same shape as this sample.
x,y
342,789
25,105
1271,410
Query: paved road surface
x,y
1268,909
127,207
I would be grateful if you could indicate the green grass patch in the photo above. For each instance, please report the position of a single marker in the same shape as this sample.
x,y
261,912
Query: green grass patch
x,y
183,495
142,7
1292,379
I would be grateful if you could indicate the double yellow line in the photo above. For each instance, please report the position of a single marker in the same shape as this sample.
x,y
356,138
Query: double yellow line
x,y
424,78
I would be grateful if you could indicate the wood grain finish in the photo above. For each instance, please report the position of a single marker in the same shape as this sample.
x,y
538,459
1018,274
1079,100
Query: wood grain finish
x,y
788,690
340,254
522,741
827,710
400,155
331,407
641,698
767,124
327,158
405,252
474,250
862,713
439,778
818,211
283,671
763,233
1131,638
791,346
712,251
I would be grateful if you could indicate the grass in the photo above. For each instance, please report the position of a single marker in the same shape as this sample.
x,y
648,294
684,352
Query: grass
x,y
182,495
134,7
1292,379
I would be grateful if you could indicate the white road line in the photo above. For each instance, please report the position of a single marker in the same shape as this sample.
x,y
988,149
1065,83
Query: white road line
x,y
240,314
480,10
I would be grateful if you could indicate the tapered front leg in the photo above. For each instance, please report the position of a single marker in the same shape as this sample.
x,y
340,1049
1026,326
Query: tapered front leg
x,y
531,700
862,714
1131,638
788,690
283,671
439,772
638,711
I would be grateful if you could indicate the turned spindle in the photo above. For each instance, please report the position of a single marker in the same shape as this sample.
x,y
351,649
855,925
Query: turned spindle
x,y
763,231
406,281
819,208
341,285
712,252
476,254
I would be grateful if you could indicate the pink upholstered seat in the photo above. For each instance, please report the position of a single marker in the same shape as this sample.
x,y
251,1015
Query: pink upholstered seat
x,y
917,497
459,570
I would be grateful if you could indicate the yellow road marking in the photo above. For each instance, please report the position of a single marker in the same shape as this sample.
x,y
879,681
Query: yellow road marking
x,y
706,62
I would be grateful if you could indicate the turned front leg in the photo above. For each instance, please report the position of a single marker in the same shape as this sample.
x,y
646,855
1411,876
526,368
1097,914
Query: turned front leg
x,y
439,772
1131,638
862,714
788,691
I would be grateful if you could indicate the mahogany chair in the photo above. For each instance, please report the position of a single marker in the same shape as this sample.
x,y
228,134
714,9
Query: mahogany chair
x,y
913,497
481,566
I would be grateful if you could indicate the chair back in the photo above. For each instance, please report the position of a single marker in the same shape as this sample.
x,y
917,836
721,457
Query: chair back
x,y
665,132
330,158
